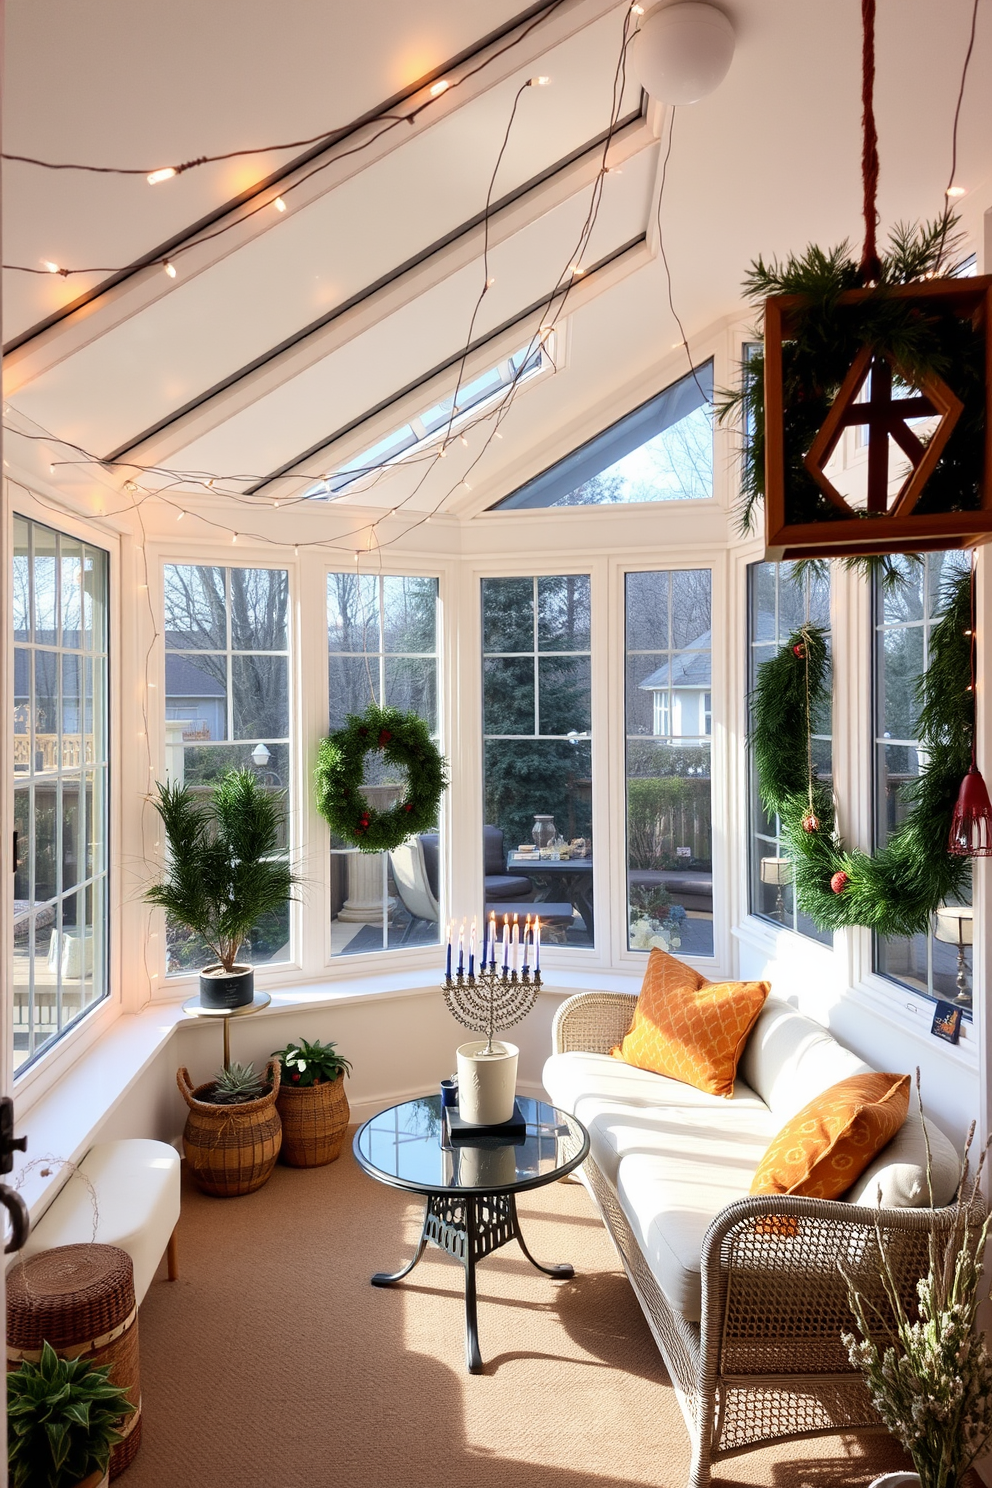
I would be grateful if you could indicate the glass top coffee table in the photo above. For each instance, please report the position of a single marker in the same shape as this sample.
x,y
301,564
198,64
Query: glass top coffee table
x,y
470,1191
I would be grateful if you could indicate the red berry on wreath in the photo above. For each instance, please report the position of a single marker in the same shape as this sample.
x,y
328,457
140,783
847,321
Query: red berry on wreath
x,y
408,806
384,738
811,822
839,882
799,651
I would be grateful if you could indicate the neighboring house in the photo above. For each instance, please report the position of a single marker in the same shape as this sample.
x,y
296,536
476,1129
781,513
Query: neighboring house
x,y
682,693
195,697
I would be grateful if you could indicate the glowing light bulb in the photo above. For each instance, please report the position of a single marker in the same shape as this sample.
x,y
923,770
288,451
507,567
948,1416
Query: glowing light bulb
x,y
180,516
466,485
296,550
276,505
955,191
539,82
637,10
442,452
51,469
165,173
52,268
577,271
234,538
490,283
463,440
439,87
279,204
497,435
170,269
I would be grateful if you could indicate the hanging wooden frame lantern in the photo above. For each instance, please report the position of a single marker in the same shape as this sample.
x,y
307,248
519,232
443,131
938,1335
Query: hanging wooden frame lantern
x,y
834,360
937,505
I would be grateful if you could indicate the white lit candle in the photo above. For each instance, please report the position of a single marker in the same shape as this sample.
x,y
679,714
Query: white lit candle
x,y
515,941
506,943
471,950
537,944
492,939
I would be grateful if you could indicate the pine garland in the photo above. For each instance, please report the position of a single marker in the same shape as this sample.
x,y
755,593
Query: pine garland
x,y
896,890
405,740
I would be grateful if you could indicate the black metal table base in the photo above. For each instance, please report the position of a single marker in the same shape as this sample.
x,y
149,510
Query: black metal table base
x,y
470,1227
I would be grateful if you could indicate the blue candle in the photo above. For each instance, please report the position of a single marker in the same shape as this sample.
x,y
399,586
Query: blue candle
x,y
485,944
526,933
506,944
461,949
492,940
447,968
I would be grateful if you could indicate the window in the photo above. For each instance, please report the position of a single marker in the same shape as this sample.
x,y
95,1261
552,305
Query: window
x,y
904,618
663,451
668,721
382,647
537,847
440,420
61,809
227,706
782,597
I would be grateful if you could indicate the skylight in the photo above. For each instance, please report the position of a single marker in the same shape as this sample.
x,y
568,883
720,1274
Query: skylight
x,y
436,421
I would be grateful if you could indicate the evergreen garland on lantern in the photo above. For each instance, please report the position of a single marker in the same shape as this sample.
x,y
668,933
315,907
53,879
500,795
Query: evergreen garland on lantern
x,y
404,740
896,890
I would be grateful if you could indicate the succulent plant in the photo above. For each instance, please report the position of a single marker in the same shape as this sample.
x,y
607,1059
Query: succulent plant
x,y
306,1063
62,1420
237,1084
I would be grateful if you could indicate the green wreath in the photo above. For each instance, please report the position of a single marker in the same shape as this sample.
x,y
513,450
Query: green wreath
x,y
896,890
405,740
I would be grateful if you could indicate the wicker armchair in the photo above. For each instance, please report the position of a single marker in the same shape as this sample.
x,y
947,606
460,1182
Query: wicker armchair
x,y
766,1362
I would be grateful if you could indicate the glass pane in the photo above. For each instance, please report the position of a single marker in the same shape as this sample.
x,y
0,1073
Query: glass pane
x,y
259,606
564,698
411,686
647,611
21,587
362,908
691,608
905,959
46,709
95,565
195,608
260,685
45,841
901,664
903,602
669,847
72,710
649,697
71,573
45,585
563,613
508,695
22,710
409,614
942,571
196,694
352,612
73,851
764,602
507,615
353,682
22,866
205,764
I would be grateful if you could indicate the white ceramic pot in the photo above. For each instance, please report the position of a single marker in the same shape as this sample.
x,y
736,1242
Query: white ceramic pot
x,y
487,1083
897,1480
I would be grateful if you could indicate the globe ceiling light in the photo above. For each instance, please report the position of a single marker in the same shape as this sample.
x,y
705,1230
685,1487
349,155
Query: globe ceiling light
x,y
683,51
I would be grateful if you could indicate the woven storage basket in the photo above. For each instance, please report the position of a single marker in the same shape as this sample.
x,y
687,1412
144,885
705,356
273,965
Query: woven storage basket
x,y
80,1299
314,1122
231,1150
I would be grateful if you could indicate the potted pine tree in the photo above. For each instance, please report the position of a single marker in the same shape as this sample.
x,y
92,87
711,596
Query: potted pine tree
x,y
63,1417
224,873
311,1102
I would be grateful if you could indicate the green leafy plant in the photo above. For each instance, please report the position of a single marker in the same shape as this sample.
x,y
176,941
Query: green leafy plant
x,y
895,890
236,1085
305,1064
62,1420
224,870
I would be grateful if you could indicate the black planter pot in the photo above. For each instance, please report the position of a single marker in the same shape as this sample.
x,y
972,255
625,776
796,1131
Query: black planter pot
x,y
227,989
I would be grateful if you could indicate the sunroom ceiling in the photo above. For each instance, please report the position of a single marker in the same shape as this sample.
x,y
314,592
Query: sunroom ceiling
x,y
274,341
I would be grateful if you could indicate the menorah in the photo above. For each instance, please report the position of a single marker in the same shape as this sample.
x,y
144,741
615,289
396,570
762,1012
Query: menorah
x,y
494,998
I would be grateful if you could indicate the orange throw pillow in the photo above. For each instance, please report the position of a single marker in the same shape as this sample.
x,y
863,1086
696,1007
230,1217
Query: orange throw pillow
x,y
830,1142
688,1028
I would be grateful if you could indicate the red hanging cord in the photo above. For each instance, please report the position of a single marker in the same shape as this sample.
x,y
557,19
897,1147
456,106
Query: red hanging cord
x,y
871,268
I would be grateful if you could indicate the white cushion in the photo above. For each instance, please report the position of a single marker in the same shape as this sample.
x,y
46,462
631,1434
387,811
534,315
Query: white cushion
x,y
136,1183
631,1110
671,1197
900,1170
789,1059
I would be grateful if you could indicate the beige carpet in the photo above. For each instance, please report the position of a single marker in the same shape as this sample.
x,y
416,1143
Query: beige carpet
x,y
272,1363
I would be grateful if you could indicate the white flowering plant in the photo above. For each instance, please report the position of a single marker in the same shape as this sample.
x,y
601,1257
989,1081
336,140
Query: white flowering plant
x,y
647,931
930,1376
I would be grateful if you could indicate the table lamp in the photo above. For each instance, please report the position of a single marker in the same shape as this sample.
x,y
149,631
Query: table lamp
x,y
777,871
955,926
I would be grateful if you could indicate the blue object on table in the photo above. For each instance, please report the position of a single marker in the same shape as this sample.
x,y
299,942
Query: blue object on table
x,y
449,1092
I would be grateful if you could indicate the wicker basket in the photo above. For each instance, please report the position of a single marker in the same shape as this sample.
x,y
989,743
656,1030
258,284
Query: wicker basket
x,y
231,1150
314,1122
80,1299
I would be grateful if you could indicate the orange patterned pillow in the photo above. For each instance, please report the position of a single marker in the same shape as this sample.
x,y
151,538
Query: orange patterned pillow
x,y
830,1142
688,1028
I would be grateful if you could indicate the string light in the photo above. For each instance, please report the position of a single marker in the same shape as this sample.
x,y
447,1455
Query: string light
x,y
170,269
490,283
234,538
49,267
279,204
539,82
577,271
463,440
956,191
166,173
439,87
180,516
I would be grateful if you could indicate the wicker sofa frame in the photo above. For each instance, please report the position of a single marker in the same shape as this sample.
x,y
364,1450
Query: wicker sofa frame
x,y
766,1362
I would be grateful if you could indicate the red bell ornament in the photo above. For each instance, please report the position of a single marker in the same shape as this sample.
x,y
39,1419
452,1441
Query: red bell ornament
x,y
971,825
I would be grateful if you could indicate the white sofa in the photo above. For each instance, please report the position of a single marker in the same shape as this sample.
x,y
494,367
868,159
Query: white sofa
x,y
747,1311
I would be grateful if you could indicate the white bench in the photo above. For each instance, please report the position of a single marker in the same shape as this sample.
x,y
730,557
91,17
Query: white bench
x,y
136,1183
